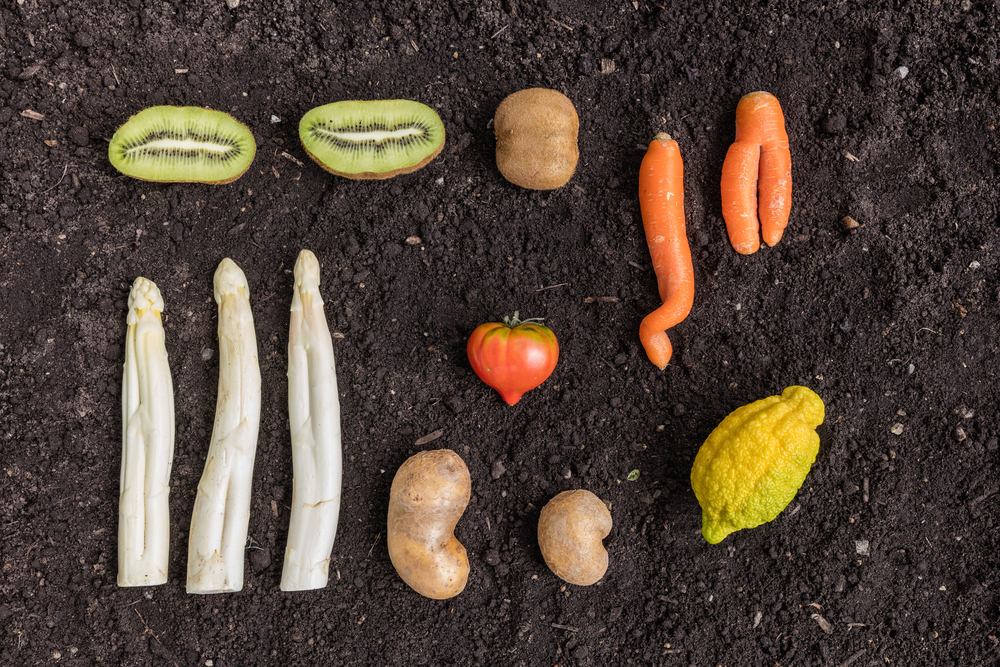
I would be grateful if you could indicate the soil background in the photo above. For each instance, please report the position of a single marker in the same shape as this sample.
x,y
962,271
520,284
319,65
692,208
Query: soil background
x,y
887,556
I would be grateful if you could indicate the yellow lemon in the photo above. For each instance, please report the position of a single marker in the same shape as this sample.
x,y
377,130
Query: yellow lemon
x,y
753,463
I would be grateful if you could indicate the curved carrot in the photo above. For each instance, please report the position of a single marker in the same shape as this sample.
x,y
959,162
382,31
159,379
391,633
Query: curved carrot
x,y
661,200
758,160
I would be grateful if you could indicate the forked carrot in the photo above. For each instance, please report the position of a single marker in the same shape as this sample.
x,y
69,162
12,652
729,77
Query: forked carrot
x,y
661,200
761,148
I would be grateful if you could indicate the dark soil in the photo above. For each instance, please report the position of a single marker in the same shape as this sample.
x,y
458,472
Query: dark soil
x,y
896,323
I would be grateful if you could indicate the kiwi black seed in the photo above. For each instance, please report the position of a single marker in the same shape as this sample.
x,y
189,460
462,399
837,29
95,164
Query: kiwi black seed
x,y
182,145
372,139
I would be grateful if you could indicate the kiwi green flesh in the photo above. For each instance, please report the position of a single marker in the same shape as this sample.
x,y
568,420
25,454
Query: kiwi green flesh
x,y
182,145
372,139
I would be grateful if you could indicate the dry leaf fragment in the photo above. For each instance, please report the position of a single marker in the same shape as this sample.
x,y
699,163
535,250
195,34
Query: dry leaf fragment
x,y
823,623
430,437
51,143
849,224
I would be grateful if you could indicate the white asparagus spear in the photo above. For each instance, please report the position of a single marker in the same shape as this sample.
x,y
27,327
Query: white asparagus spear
x,y
147,443
314,418
222,508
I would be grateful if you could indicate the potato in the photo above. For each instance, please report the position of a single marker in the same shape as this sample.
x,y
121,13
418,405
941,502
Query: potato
x,y
429,494
536,138
570,529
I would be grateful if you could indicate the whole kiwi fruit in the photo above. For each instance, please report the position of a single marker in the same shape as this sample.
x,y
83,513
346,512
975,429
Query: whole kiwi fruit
x,y
536,131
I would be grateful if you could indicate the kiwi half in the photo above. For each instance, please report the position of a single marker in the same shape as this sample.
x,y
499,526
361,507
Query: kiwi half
x,y
372,139
182,145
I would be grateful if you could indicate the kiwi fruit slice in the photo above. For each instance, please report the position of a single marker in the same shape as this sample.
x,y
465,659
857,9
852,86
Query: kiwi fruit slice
x,y
372,139
182,145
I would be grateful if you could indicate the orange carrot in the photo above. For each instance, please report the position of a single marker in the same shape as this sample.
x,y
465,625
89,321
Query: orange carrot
x,y
761,147
661,200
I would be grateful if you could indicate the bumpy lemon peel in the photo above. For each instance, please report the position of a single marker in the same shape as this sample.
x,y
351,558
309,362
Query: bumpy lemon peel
x,y
754,462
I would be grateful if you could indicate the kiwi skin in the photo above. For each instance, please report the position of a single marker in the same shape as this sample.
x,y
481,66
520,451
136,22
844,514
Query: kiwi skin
x,y
157,113
536,131
374,175
373,108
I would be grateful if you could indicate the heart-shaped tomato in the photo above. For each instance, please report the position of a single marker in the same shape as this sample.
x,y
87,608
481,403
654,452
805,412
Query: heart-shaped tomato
x,y
513,356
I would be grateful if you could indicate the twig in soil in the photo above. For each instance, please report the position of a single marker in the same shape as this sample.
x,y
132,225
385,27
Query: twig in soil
x,y
116,76
59,181
850,157
148,629
924,329
289,157
605,299
499,31
559,23
568,628
551,287
377,538
853,658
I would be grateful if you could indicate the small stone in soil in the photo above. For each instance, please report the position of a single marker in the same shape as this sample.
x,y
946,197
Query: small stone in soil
x,y
79,136
260,559
834,123
498,469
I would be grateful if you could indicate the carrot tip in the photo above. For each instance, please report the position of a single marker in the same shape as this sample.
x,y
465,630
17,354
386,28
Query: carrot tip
x,y
662,136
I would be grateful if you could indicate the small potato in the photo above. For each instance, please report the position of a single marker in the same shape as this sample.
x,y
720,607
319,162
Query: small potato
x,y
429,494
536,133
570,529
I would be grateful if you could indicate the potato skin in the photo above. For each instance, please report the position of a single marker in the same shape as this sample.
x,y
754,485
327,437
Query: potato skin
x,y
429,495
536,131
570,529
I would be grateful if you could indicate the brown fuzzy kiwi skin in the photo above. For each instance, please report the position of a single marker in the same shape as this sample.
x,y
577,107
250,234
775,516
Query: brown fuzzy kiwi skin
x,y
377,175
536,131
228,180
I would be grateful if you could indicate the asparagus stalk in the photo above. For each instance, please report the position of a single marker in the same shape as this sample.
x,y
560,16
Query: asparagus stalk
x,y
222,507
147,443
314,418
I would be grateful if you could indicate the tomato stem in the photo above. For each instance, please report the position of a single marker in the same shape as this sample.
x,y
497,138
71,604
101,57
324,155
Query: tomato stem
x,y
516,321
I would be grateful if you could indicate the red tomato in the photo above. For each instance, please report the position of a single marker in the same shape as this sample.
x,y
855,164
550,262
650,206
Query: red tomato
x,y
513,356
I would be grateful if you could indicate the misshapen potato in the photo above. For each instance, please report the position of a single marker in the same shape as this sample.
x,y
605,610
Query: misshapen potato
x,y
429,494
536,132
570,529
